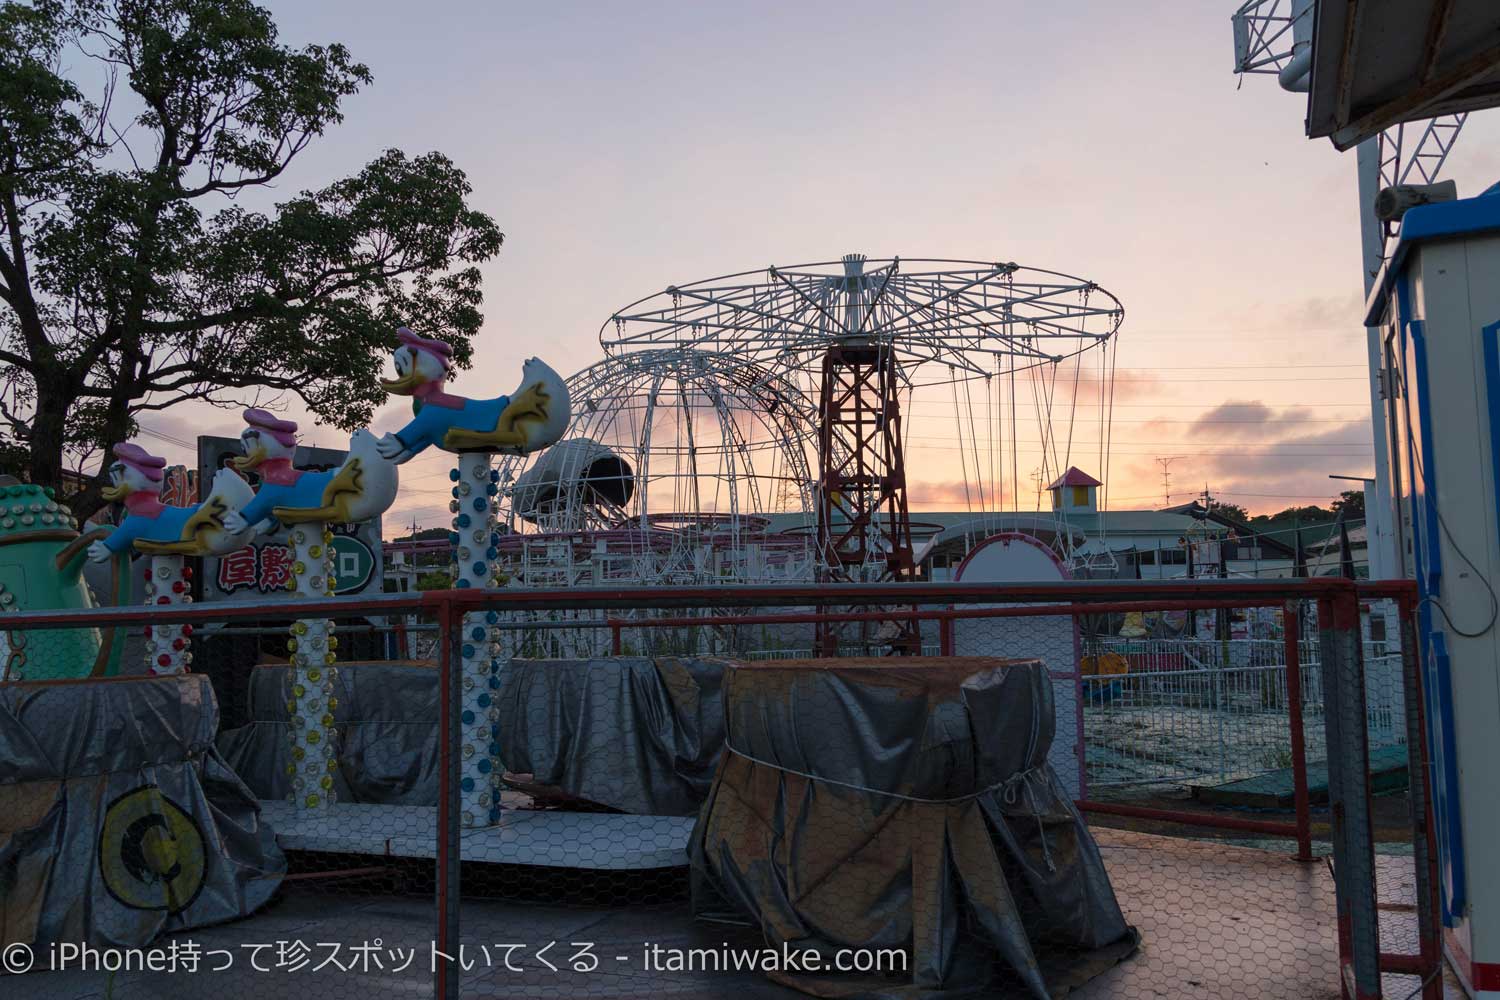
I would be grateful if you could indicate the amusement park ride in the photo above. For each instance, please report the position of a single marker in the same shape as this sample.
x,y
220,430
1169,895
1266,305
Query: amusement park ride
x,y
860,340
307,502
852,345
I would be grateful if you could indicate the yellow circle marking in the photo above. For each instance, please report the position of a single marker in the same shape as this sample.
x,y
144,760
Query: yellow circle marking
x,y
151,853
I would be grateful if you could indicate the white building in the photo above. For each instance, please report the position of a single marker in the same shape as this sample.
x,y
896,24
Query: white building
x,y
1154,544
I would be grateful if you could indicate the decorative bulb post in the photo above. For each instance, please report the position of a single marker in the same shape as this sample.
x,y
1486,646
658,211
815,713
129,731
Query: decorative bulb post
x,y
529,419
307,503
168,647
474,544
311,649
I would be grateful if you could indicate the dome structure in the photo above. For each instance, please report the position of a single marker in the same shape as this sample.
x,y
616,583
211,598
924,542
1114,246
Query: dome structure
x,y
673,467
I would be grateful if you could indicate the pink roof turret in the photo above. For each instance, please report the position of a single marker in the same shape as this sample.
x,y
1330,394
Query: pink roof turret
x,y
1075,477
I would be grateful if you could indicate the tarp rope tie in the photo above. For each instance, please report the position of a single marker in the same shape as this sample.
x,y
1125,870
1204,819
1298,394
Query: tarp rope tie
x,y
1006,788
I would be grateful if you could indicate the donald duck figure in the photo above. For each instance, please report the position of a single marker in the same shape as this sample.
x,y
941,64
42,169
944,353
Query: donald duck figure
x,y
152,527
530,419
359,489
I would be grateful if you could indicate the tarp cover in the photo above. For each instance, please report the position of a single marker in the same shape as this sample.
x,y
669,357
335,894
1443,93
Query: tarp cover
x,y
905,803
636,734
118,819
387,721
631,733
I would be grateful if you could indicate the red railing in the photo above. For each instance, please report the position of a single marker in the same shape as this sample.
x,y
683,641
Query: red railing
x,y
1299,830
1338,618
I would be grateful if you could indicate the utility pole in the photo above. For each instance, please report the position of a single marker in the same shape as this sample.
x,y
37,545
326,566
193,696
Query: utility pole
x,y
1166,479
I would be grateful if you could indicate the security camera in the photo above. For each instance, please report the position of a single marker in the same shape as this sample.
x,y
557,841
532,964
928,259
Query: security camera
x,y
1392,202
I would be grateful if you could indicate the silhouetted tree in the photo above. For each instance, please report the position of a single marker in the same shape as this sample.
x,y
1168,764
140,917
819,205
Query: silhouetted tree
x,y
130,281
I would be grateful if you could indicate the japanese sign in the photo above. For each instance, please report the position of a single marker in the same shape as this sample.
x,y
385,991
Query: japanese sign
x,y
263,568
179,486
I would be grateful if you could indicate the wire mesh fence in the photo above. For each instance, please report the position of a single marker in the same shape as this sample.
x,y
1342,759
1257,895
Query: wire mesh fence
x,y
504,793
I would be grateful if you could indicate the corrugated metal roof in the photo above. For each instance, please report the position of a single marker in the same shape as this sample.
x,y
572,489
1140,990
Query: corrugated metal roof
x,y
1378,64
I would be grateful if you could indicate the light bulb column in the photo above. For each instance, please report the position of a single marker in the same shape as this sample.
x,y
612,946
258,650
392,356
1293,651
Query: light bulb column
x,y
311,649
168,647
474,540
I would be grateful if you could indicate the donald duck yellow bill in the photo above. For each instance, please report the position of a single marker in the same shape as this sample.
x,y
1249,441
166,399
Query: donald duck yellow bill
x,y
404,385
249,460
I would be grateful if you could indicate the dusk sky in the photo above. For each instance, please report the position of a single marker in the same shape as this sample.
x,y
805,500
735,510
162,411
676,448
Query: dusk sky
x,y
624,148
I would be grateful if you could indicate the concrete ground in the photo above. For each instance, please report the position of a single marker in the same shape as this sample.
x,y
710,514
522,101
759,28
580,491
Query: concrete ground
x,y
1216,920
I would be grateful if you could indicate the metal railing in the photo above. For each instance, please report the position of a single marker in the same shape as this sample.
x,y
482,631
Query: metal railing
x,y
1279,697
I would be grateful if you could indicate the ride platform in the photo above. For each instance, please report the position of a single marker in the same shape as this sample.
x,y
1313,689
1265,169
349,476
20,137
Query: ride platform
x,y
549,838
1276,790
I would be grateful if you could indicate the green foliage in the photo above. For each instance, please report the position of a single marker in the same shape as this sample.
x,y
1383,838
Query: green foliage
x,y
1351,504
129,278
1294,516
1233,511
425,535
15,459
437,579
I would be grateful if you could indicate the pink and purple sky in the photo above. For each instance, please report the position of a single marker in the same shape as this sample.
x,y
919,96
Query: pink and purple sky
x,y
623,148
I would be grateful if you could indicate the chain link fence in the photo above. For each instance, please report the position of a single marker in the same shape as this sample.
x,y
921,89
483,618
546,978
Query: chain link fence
x,y
989,792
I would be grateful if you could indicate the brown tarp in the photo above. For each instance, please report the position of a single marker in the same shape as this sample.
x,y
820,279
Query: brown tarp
x,y
905,804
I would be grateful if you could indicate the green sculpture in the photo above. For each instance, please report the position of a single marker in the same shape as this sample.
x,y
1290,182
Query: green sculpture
x,y
41,568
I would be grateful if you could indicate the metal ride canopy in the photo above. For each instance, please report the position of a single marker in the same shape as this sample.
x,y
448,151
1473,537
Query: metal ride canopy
x,y
981,318
861,337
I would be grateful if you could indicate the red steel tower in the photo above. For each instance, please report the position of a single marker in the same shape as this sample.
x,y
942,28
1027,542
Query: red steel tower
x,y
864,526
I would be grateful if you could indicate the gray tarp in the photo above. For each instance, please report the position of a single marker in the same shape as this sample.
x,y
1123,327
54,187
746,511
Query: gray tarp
x,y
387,718
634,734
118,819
905,803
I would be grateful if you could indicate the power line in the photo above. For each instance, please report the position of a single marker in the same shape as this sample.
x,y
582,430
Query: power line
x,y
1333,378
1239,368
1191,442
1211,406
162,435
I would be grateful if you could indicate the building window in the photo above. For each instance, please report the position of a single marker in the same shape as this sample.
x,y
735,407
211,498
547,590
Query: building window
x,y
1080,496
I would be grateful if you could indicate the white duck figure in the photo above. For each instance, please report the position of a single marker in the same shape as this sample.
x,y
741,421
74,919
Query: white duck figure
x,y
155,528
268,443
362,487
533,417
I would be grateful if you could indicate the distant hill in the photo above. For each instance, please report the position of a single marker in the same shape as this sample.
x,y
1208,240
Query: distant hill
x,y
425,535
